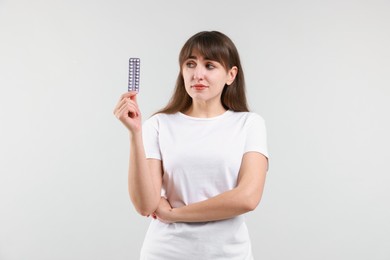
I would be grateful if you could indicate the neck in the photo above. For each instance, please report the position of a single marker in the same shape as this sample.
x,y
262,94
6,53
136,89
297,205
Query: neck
x,y
204,110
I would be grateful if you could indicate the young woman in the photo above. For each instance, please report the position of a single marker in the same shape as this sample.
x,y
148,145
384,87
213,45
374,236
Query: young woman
x,y
200,163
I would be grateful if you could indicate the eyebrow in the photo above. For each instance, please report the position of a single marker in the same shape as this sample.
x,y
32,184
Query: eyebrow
x,y
195,57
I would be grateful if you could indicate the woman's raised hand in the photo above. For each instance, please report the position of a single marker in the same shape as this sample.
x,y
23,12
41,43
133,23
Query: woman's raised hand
x,y
127,111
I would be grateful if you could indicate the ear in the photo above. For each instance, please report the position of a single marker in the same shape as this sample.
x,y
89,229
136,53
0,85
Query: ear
x,y
231,75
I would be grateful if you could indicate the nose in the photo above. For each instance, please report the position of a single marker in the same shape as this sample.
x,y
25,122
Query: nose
x,y
198,73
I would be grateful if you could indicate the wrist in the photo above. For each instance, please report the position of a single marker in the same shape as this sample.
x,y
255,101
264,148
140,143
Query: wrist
x,y
135,135
173,215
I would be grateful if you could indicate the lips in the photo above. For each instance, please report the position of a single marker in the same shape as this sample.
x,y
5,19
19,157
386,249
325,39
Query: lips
x,y
199,86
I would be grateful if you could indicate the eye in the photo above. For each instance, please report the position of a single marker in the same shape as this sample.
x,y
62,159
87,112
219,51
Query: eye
x,y
190,64
210,66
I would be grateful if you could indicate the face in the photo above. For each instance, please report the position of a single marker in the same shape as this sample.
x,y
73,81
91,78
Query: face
x,y
204,79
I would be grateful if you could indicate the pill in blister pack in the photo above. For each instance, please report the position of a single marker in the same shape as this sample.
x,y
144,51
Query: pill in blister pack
x,y
134,72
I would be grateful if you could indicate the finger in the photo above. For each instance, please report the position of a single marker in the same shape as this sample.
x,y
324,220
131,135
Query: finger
x,y
135,114
124,96
130,110
124,103
131,95
137,109
123,99
124,110
128,95
121,104
134,96
131,104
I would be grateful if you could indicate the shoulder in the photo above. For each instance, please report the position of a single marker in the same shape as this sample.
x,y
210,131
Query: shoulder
x,y
248,118
255,118
158,119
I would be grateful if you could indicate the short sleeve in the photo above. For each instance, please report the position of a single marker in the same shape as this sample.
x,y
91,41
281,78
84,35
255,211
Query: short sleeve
x,y
256,135
150,135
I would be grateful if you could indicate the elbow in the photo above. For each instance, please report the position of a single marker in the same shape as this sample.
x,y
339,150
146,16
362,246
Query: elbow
x,y
251,205
145,208
145,211
250,202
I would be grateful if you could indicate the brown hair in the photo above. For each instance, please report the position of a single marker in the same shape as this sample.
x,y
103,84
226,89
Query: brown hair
x,y
215,46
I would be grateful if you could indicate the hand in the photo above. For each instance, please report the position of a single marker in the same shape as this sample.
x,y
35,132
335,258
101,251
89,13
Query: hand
x,y
164,211
127,111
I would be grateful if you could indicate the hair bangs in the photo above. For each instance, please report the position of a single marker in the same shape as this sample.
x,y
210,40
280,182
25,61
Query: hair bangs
x,y
208,46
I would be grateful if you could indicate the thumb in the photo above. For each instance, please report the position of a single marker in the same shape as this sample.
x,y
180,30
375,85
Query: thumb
x,y
133,96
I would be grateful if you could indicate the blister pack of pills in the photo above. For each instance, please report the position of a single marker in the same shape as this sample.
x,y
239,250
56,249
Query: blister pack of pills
x,y
134,73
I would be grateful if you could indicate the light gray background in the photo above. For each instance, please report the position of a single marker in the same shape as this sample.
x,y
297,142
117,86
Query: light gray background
x,y
317,71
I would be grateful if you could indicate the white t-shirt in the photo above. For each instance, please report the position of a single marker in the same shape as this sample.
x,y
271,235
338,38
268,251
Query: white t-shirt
x,y
201,158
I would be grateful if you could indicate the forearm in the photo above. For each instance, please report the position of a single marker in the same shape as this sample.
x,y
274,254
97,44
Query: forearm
x,y
245,197
226,205
143,190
